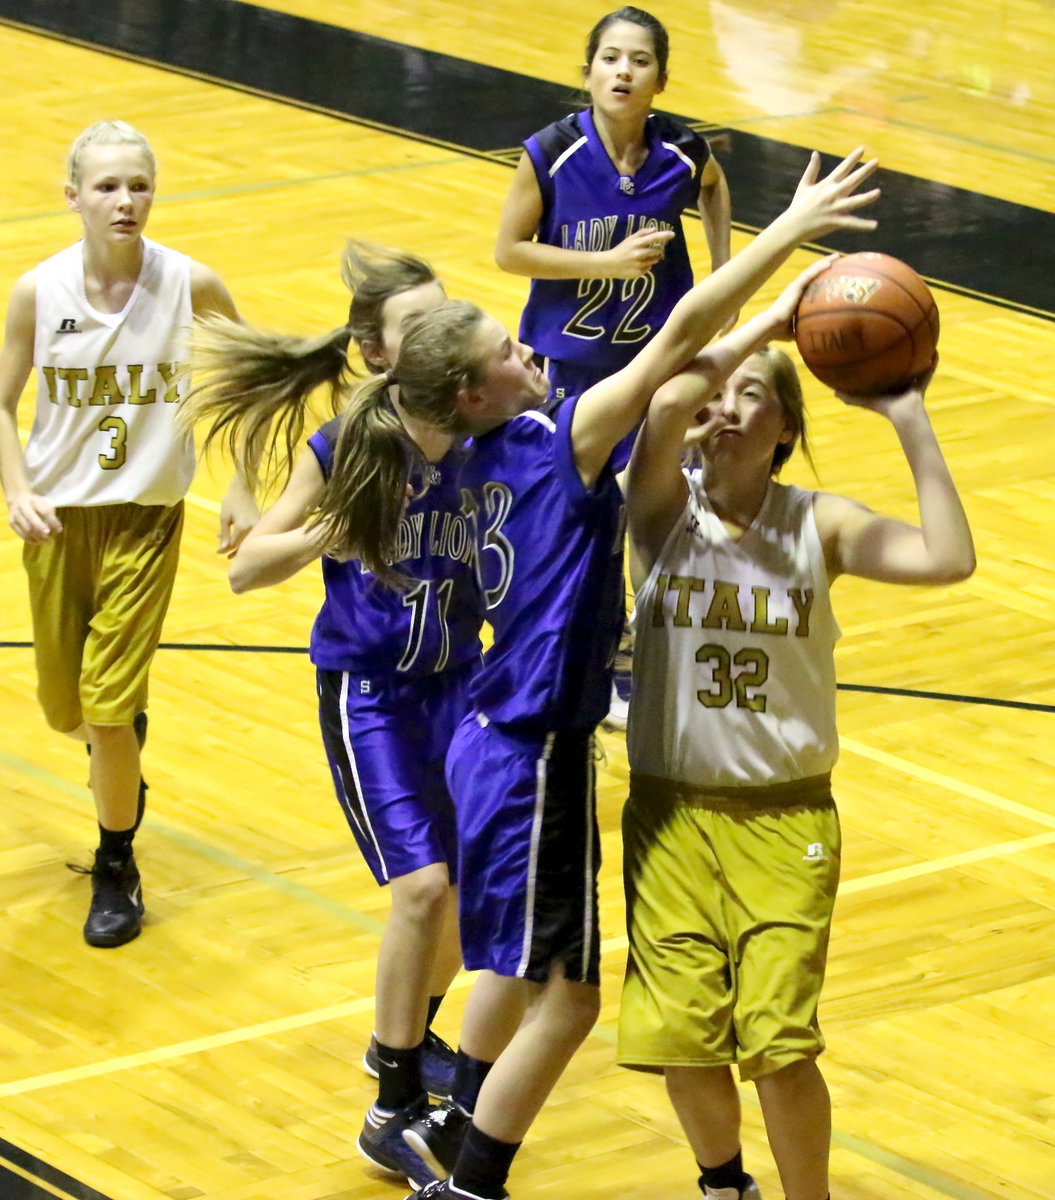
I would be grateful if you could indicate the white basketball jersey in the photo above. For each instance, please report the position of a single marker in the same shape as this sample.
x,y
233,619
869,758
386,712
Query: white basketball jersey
x,y
734,673
108,386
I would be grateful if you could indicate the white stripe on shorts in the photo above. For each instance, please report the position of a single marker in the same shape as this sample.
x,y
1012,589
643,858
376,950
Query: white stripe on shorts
x,y
367,829
589,930
541,772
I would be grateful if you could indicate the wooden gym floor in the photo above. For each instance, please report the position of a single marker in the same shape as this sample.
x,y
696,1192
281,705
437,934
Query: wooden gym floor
x,y
217,1056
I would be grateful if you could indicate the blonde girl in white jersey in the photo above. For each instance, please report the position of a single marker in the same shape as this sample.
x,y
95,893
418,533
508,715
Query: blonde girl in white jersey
x,y
97,495
731,838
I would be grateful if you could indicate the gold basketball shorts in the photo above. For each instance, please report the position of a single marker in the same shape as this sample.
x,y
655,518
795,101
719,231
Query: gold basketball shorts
x,y
98,593
729,904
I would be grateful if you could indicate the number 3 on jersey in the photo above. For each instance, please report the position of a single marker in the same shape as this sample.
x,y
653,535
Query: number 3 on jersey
x,y
636,294
117,450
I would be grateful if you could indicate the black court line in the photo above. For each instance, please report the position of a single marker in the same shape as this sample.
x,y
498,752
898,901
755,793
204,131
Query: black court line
x,y
971,243
874,689
14,1186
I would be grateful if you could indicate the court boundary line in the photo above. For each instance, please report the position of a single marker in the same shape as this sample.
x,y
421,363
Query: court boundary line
x,y
867,688
492,156
49,1180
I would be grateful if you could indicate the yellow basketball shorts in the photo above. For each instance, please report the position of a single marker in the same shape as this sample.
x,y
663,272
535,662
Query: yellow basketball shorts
x,y
98,594
729,906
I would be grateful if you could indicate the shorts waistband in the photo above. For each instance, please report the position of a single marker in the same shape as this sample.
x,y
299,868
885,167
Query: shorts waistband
x,y
813,790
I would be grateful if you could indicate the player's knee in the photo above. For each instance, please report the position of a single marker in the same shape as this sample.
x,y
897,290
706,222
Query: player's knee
x,y
422,896
570,1010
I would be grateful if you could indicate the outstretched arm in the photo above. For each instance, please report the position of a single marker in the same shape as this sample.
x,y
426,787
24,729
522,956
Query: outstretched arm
x,y
279,545
609,410
655,486
860,542
518,252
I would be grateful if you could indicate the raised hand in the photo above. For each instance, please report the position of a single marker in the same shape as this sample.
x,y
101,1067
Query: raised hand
x,y
783,309
821,205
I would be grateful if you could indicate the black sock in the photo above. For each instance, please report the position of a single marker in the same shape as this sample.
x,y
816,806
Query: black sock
x,y
114,844
398,1077
728,1175
434,1008
483,1164
469,1076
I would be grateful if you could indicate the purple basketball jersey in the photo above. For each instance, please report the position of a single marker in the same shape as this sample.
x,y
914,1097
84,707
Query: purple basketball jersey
x,y
431,625
588,205
551,569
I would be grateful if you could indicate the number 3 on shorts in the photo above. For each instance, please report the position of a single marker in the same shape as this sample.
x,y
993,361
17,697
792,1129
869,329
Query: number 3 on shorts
x,y
118,432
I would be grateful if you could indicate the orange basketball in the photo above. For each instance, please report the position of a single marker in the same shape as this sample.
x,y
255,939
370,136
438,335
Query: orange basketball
x,y
867,325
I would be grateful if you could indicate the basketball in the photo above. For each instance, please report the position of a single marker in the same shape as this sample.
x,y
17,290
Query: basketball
x,y
867,325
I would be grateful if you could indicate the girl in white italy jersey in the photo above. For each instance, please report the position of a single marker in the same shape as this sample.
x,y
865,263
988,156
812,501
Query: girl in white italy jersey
x,y
731,838
97,496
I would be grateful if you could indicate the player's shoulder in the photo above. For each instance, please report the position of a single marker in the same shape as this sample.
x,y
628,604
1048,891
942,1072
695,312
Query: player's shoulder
x,y
22,311
555,139
208,292
24,290
323,444
676,134
533,425
68,259
517,446
329,432
791,496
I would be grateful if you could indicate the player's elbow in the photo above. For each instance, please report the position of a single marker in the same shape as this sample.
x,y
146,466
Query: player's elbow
x,y
240,576
964,569
955,568
505,259
678,396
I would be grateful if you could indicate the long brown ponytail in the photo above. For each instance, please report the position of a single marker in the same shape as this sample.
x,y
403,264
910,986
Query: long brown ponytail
x,y
366,490
253,388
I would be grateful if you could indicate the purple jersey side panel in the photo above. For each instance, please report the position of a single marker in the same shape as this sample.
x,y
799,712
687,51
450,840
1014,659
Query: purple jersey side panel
x,y
587,205
433,624
551,569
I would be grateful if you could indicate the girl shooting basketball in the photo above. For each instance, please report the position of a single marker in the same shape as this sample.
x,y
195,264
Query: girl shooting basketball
x,y
731,837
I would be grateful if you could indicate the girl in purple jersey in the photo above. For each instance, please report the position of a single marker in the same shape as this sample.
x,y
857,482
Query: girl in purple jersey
x,y
549,542
392,664
598,198
594,218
